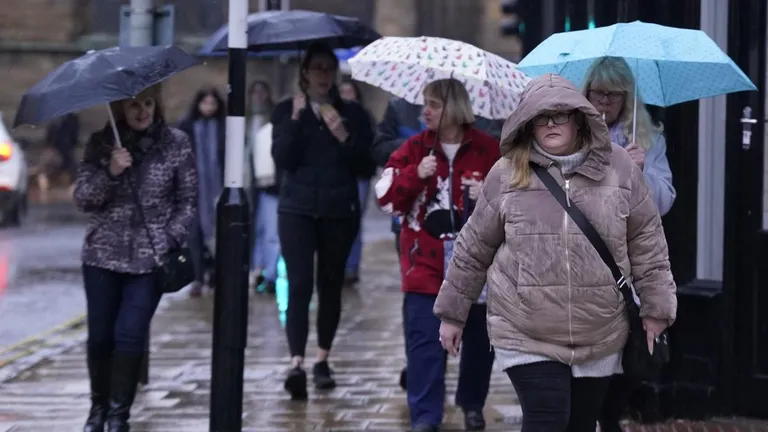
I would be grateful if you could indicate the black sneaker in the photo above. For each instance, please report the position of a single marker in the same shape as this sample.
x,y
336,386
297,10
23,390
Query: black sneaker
x,y
474,420
322,376
296,384
404,379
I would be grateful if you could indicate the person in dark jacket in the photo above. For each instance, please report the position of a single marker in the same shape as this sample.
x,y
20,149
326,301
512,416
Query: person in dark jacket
x,y
402,120
350,91
321,144
205,125
264,177
141,196
63,135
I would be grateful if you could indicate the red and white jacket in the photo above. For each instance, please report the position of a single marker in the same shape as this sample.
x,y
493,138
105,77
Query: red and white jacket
x,y
426,205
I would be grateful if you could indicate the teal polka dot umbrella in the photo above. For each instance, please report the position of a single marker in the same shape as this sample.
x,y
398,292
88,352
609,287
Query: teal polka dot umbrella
x,y
671,65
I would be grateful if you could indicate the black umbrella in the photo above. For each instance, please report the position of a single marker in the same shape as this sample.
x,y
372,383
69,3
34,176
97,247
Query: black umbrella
x,y
292,29
100,77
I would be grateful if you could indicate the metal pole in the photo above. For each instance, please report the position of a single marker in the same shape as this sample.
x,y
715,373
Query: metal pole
x,y
141,33
230,316
142,22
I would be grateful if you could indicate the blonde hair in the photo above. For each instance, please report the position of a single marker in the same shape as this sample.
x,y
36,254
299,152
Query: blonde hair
x,y
614,74
154,92
522,146
457,109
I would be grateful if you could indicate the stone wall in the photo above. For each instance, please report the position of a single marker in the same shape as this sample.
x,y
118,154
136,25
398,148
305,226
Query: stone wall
x,y
52,21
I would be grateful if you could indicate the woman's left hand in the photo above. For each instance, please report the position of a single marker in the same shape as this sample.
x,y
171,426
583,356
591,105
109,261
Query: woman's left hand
x,y
335,124
450,337
653,328
637,153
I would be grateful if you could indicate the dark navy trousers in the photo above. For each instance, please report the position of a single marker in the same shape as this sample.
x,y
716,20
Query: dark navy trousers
x,y
120,308
427,361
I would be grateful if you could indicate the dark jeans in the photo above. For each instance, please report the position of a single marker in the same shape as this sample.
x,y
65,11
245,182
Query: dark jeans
x,y
300,238
615,402
475,361
120,308
553,401
427,361
197,249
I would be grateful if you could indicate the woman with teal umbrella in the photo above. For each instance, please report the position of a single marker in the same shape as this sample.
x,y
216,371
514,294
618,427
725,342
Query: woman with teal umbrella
x,y
609,86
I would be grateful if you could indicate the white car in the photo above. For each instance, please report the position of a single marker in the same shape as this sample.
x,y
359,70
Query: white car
x,y
13,179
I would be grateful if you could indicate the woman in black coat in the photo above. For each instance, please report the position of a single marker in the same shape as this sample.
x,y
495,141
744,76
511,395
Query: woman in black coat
x,y
321,144
205,125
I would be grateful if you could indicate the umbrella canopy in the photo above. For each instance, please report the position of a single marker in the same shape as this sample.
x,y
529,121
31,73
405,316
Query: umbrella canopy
x,y
100,77
293,29
403,66
671,65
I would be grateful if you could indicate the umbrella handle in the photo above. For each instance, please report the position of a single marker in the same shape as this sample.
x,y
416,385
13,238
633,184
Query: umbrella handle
x,y
113,123
634,110
634,115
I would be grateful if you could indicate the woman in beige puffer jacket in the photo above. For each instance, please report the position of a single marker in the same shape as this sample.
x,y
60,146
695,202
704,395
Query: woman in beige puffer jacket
x,y
556,318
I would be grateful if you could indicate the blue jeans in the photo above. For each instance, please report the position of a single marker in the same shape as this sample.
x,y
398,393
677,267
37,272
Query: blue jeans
x,y
120,308
355,255
197,248
266,243
427,361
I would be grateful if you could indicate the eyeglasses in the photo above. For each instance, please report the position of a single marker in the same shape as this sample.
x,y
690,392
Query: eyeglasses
x,y
560,118
612,96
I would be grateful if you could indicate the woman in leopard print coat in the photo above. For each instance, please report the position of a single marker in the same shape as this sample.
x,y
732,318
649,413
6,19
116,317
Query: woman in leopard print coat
x,y
155,166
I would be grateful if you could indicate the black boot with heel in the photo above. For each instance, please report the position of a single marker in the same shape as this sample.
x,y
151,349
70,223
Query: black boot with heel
x,y
99,372
125,378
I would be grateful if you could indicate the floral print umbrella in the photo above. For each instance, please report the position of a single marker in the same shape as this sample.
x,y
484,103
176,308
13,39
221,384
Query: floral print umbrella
x,y
403,66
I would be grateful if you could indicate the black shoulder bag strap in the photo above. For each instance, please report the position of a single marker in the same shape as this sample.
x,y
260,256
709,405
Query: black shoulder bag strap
x,y
586,227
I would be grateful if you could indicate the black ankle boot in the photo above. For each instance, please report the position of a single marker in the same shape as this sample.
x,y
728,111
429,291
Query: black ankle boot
x,y
99,371
125,378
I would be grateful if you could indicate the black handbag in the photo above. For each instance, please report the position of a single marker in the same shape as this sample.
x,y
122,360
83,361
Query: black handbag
x,y
637,361
175,270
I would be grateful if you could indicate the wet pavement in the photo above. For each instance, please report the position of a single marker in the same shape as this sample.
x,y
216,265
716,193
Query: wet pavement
x,y
40,283
44,386
367,358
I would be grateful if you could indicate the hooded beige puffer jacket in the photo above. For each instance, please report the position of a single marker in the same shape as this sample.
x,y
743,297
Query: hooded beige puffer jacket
x,y
549,293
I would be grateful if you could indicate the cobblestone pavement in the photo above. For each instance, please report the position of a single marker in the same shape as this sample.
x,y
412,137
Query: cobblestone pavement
x,y
367,357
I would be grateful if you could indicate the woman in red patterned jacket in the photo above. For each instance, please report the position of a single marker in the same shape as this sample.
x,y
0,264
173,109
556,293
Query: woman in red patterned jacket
x,y
424,181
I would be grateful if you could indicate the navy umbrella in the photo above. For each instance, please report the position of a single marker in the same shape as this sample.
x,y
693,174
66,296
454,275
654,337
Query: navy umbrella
x,y
100,77
293,29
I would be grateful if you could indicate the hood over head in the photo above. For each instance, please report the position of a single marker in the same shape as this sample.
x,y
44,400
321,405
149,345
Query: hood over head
x,y
548,93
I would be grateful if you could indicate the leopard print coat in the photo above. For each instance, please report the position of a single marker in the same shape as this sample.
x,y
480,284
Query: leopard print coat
x,y
166,181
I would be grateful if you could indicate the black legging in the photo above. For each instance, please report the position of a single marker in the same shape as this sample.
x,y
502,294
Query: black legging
x,y
300,238
619,392
553,401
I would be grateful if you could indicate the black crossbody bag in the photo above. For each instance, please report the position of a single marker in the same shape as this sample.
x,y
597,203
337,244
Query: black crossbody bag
x,y
637,362
175,270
